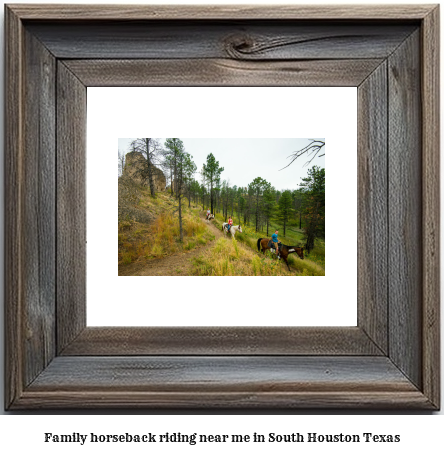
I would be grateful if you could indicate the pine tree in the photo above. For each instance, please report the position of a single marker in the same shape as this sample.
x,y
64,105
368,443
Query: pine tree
x,y
269,204
184,168
313,207
285,208
257,187
212,172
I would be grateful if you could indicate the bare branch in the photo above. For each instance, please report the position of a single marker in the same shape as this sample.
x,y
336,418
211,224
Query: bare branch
x,y
312,150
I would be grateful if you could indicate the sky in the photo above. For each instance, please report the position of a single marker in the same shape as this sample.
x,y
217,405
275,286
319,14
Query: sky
x,y
245,159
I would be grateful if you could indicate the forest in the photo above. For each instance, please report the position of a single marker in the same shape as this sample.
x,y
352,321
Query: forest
x,y
173,217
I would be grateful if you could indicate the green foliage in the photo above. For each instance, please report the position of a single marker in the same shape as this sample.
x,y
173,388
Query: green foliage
x,y
313,205
259,208
269,204
212,172
257,188
183,169
285,208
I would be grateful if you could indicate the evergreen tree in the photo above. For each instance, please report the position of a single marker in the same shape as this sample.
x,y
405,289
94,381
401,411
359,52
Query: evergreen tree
x,y
285,208
212,172
298,199
184,168
269,204
257,187
313,207
173,148
202,195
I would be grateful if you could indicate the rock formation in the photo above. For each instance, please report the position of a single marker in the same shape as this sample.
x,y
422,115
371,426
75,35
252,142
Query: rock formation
x,y
136,169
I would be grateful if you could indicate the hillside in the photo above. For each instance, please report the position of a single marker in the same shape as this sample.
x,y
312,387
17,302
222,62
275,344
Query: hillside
x,y
149,243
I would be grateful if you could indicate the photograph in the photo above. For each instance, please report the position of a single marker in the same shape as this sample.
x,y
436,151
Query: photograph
x,y
198,314
221,207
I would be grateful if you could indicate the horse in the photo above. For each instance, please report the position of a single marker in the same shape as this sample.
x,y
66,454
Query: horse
x,y
233,229
284,250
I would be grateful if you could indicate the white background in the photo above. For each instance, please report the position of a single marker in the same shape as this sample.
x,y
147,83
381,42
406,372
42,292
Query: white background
x,y
422,434
222,301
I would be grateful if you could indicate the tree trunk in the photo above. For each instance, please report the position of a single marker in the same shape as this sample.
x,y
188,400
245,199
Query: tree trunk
x,y
180,217
311,230
257,216
151,179
150,168
175,174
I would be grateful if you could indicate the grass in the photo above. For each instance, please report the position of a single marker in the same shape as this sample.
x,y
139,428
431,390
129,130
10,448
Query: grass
x,y
139,241
231,258
161,237
313,263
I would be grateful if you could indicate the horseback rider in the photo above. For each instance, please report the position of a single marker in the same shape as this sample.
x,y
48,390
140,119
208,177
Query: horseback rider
x,y
230,222
208,213
274,238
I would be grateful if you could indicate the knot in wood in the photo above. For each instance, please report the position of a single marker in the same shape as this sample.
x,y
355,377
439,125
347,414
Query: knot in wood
x,y
238,46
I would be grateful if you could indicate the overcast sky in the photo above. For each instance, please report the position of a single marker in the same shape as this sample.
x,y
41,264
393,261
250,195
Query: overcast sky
x,y
245,159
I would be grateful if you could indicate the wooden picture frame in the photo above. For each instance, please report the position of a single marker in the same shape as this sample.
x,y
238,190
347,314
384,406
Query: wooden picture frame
x,y
390,360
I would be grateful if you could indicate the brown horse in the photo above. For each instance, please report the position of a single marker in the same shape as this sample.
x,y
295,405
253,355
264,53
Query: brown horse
x,y
284,250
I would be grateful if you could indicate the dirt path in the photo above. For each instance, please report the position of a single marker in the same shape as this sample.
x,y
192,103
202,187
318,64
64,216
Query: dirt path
x,y
175,265
178,264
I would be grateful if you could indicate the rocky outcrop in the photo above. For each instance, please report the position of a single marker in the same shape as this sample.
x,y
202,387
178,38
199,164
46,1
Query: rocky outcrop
x,y
136,169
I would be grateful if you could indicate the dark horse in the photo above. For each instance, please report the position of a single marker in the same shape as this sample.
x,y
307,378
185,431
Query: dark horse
x,y
284,250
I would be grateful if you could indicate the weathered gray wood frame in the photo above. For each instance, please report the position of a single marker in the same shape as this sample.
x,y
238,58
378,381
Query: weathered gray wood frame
x,y
390,360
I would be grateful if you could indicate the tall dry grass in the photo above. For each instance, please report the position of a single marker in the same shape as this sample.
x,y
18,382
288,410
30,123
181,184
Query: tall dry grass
x,y
161,238
312,265
231,258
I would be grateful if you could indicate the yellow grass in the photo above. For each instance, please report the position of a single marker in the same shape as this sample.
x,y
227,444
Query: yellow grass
x,y
161,237
306,267
230,258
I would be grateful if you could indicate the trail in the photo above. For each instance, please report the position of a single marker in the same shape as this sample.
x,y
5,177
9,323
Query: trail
x,y
178,264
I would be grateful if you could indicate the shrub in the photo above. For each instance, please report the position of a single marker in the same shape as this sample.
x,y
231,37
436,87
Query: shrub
x,y
190,245
157,250
127,258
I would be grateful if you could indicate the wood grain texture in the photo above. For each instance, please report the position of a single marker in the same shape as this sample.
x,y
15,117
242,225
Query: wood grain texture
x,y
263,40
126,341
225,400
71,206
13,209
221,72
250,40
431,205
220,12
405,209
233,382
38,222
373,207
